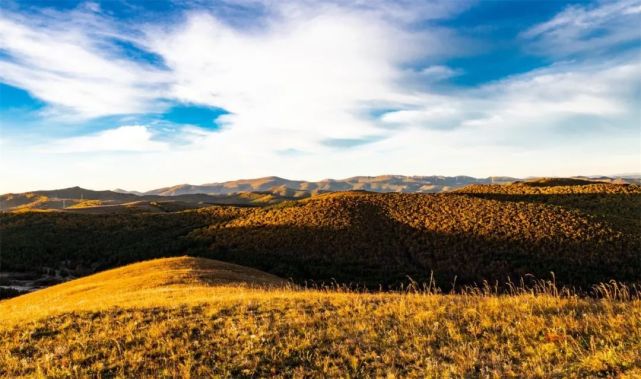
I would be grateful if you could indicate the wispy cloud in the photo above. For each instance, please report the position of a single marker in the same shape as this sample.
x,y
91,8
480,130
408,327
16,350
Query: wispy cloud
x,y
539,101
588,28
62,60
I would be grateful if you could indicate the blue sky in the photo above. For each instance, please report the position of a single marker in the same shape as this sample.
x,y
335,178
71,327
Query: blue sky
x,y
143,94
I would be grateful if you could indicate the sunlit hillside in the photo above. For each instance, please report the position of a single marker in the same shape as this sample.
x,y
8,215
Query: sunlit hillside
x,y
273,190
186,317
80,200
136,284
617,204
552,186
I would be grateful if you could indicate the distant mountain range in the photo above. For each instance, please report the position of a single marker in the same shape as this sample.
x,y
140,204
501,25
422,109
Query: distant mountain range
x,y
383,183
246,192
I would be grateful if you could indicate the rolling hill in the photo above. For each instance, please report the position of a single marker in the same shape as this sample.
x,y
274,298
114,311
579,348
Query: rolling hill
x,y
134,285
584,233
187,317
81,200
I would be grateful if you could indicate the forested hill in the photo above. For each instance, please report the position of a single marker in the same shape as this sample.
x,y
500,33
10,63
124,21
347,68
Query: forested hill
x,y
583,235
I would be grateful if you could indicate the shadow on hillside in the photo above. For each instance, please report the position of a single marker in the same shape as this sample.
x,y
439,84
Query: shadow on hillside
x,y
372,249
389,252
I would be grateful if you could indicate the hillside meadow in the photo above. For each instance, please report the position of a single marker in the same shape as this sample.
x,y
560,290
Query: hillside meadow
x,y
188,317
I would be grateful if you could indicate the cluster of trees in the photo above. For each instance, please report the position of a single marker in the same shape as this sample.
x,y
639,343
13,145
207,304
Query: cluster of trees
x,y
359,237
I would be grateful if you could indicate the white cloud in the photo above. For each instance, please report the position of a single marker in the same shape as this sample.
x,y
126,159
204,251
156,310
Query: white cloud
x,y
301,81
587,29
70,59
57,60
566,120
539,107
128,138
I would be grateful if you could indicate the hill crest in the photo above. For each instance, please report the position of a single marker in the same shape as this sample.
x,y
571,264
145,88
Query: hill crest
x,y
135,283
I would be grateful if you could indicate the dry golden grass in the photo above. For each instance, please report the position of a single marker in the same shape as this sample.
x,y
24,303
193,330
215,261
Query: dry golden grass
x,y
151,282
86,204
183,317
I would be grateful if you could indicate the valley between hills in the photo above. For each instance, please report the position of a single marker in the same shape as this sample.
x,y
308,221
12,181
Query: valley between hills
x,y
536,278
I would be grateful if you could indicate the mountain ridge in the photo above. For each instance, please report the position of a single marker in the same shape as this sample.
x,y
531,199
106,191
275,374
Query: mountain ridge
x,y
379,183
262,191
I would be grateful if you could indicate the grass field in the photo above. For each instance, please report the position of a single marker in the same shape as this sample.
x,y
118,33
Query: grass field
x,y
182,317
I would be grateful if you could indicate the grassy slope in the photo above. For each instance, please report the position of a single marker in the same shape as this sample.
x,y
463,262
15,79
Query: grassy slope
x,y
139,283
185,316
